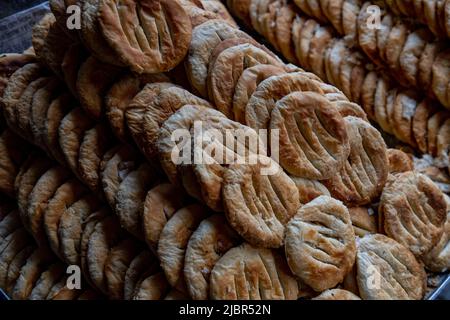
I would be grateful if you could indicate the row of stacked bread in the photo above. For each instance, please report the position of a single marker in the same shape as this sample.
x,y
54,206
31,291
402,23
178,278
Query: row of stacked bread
x,y
27,270
67,223
413,56
144,115
433,14
61,213
120,164
69,218
123,175
422,123
300,81
104,234
200,67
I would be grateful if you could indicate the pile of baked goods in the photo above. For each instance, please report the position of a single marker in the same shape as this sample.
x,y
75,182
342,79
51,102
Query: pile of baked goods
x,y
100,136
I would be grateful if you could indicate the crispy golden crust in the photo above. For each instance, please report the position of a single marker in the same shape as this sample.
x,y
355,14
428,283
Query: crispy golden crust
x,y
320,243
29,174
270,91
161,203
154,287
24,106
246,272
57,110
267,20
119,98
136,110
219,9
117,101
62,199
117,264
174,239
232,42
152,44
308,190
12,157
105,236
10,63
301,30
258,14
46,281
437,175
247,84
337,294
71,132
89,225
40,32
39,197
347,108
39,107
131,195
364,174
95,144
183,119
168,101
350,283
386,270
259,206
313,135
17,84
438,258
240,9
208,243
364,221
225,68
30,273
92,36
399,161
443,141
16,265
71,225
197,14
334,58
205,38
283,32
413,211
383,102
143,265
405,106
441,79
212,143
93,81
434,124
190,182
9,248
116,164
413,56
